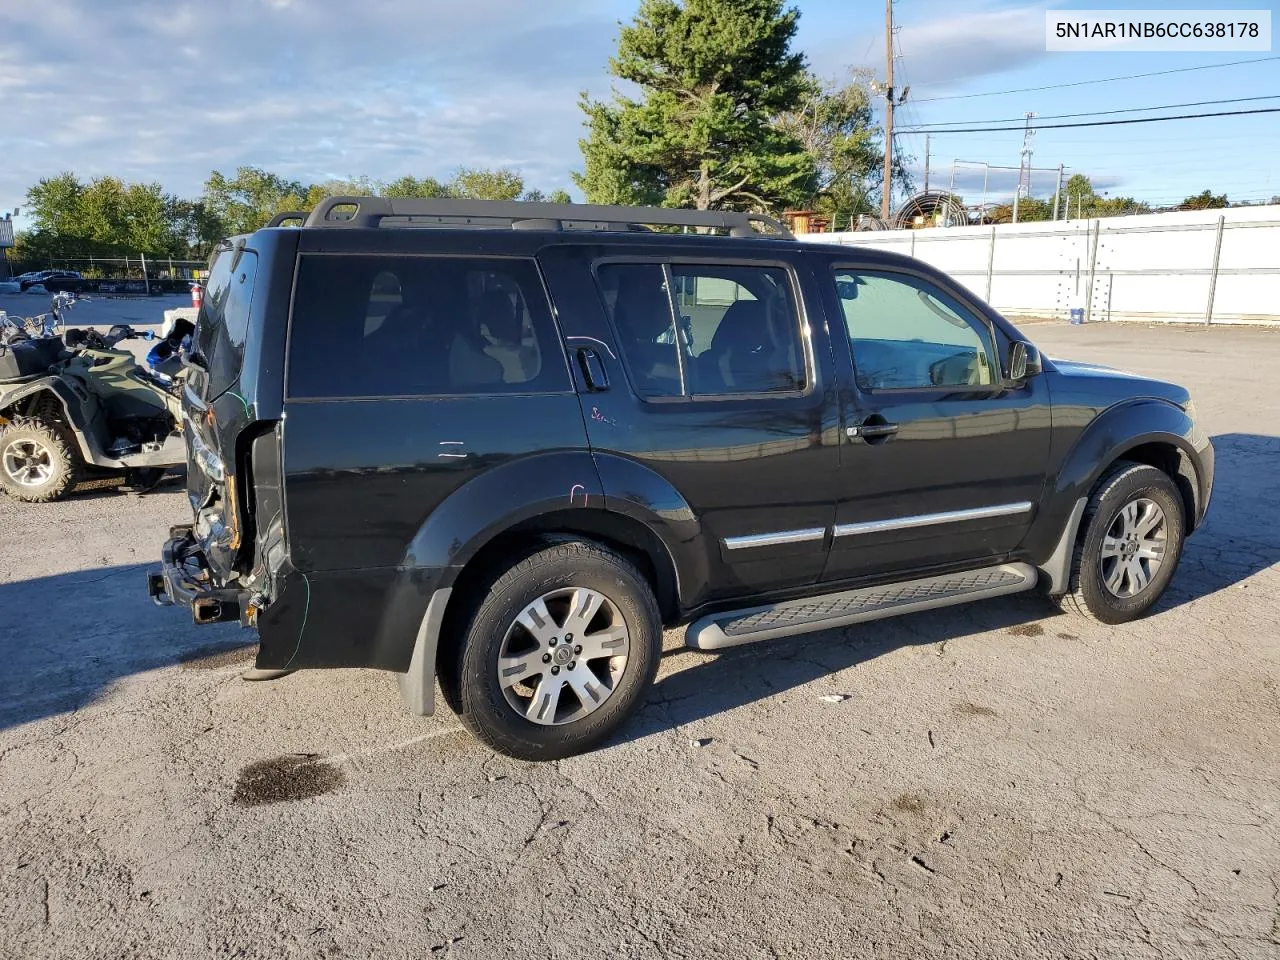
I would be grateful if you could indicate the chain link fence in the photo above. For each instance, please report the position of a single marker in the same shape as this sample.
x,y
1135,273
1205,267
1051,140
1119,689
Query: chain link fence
x,y
142,274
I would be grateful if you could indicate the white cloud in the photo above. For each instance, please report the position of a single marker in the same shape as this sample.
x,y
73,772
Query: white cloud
x,y
168,91
941,50
1000,183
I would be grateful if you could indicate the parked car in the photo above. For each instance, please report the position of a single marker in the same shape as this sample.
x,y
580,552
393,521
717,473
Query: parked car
x,y
505,444
54,281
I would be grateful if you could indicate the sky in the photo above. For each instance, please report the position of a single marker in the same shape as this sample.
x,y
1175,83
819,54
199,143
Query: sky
x,y
167,90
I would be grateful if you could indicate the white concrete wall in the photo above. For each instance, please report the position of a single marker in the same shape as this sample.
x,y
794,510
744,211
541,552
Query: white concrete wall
x,y
1150,267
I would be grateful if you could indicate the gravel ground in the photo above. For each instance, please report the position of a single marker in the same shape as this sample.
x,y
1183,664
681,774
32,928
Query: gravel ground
x,y
994,781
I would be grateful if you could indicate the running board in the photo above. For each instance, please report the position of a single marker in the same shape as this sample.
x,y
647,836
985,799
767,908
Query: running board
x,y
734,627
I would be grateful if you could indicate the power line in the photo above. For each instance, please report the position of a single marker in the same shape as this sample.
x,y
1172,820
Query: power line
x,y
1083,83
1106,123
1099,113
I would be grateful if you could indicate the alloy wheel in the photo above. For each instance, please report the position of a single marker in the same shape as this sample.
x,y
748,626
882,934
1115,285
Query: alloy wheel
x,y
563,656
1134,548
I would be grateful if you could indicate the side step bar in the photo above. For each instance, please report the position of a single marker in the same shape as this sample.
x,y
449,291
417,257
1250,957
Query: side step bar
x,y
734,627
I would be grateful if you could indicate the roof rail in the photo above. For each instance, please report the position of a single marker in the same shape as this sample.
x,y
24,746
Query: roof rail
x,y
280,219
356,212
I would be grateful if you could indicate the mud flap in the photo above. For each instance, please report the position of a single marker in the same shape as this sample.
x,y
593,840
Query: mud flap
x,y
417,685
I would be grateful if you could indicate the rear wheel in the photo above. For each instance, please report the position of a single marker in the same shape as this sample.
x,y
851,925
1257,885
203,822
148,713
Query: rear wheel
x,y
1129,546
557,654
38,460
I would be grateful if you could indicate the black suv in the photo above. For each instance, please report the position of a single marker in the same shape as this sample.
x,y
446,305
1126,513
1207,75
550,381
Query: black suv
x,y
505,444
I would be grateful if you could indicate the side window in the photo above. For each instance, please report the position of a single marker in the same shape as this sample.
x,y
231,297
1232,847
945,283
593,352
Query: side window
x,y
635,294
734,330
906,333
223,322
375,326
239,297
740,330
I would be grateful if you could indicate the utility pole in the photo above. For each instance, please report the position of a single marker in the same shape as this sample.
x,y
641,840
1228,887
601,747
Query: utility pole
x,y
888,111
926,163
1057,193
1024,166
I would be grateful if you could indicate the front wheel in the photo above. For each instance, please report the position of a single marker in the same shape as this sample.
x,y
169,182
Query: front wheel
x,y
1130,542
558,653
38,460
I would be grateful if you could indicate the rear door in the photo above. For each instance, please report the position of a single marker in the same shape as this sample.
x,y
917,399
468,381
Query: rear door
x,y
213,405
943,462
409,375
713,382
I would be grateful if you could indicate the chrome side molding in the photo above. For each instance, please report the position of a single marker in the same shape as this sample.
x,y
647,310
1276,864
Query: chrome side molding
x,y
930,519
774,539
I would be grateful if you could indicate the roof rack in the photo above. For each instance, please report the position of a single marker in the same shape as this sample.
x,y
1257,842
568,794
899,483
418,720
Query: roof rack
x,y
280,219
356,212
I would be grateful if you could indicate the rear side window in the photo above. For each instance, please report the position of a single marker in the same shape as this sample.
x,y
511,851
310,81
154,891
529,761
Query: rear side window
x,y
223,322
376,326
704,330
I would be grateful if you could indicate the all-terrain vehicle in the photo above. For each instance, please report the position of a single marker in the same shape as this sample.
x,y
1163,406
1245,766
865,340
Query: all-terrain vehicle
x,y
77,407
503,445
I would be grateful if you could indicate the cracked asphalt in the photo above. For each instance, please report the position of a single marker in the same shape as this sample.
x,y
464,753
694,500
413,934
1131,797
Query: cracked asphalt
x,y
996,781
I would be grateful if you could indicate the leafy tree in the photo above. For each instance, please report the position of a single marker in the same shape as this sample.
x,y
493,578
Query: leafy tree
x,y
251,198
479,184
713,76
1083,201
359,187
1119,206
104,217
1079,193
427,187
556,196
1030,210
834,124
54,204
1205,200
195,225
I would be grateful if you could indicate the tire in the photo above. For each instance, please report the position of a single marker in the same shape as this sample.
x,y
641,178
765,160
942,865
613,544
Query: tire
x,y
1117,531
588,697
39,461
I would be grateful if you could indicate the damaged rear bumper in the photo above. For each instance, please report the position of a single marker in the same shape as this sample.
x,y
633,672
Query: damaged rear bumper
x,y
184,580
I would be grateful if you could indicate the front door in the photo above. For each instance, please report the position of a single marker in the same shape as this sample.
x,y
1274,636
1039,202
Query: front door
x,y
942,462
712,389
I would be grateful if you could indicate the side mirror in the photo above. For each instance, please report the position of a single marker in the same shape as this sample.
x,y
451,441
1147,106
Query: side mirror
x,y
1024,361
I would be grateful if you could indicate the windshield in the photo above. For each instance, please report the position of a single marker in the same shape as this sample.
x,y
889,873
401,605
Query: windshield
x,y
218,344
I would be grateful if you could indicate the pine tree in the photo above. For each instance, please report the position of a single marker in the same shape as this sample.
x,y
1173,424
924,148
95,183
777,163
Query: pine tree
x,y
714,75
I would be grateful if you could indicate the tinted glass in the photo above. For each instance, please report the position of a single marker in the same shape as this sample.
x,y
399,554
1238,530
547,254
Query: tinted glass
x,y
372,326
223,321
738,330
906,333
635,294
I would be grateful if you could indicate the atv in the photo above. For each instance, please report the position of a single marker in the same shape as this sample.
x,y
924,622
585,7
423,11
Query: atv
x,y
76,407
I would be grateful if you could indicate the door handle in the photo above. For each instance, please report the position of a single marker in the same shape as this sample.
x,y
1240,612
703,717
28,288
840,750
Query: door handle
x,y
874,429
593,372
